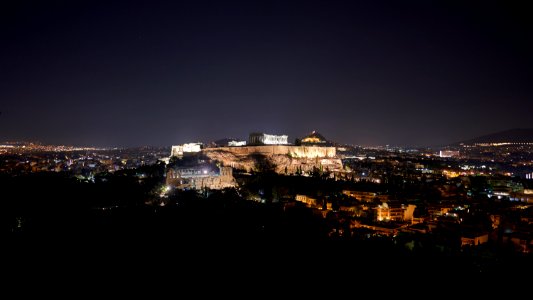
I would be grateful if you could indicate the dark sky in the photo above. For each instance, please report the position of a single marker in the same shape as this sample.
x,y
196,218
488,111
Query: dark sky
x,y
125,73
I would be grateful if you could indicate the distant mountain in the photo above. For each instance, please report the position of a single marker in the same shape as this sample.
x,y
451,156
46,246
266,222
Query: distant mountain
x,y
517,135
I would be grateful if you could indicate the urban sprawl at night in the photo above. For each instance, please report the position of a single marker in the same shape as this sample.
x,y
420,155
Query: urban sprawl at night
x,y
471,199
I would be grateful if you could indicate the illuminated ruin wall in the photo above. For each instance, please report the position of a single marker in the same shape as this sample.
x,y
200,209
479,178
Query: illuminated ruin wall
x,y
282,159
292,151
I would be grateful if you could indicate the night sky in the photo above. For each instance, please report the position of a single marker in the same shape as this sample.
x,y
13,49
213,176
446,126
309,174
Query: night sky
x,y
160,73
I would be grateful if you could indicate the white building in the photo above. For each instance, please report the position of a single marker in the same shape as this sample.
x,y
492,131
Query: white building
x,y
448,153
179,150
268,139
236,143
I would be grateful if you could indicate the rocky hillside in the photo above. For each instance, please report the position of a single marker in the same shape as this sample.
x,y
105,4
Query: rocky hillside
x,y
279,163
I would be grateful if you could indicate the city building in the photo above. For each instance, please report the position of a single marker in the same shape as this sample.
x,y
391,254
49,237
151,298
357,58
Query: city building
x,y
311,202
395,212
438,210
474,238
522,241
257,138
526,197
448,153
366,196
185,149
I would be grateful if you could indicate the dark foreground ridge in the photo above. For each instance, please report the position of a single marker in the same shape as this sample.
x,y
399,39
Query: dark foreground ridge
x,y
53,220
224,232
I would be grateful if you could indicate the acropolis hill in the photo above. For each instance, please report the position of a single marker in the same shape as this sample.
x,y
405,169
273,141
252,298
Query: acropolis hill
x,y
269,152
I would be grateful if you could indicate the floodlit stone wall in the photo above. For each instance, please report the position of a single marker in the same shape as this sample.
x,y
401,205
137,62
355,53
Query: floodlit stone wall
x,y
292,151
